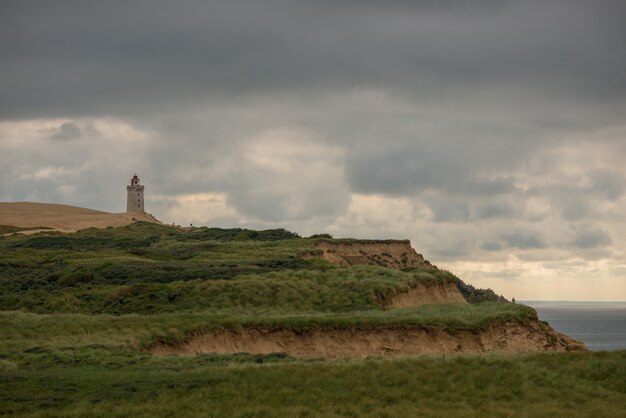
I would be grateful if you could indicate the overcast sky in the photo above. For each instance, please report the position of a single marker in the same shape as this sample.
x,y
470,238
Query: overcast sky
x,y
490,133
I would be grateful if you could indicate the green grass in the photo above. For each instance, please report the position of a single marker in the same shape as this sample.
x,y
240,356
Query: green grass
x,y
7,229
86,271
306,290
542,385
146,268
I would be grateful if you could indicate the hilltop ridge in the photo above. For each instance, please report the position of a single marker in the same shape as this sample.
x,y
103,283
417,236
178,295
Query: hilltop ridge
x,y
31,217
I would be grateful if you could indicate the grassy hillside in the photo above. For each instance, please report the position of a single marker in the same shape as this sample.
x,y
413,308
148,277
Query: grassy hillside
x,y
146,269
77,312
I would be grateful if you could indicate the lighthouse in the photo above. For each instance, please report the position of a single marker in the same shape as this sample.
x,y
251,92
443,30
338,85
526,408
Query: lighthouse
x,y
134,201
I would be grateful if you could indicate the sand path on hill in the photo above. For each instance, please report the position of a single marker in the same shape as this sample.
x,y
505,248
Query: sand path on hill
x,y
63,217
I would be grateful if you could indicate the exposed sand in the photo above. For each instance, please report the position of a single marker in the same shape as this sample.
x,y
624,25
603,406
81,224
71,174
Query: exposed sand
x,y
422,294
390,254
510,337
63,217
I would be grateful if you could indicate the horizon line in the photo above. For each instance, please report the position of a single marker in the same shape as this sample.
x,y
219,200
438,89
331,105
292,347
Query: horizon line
x,y
579,301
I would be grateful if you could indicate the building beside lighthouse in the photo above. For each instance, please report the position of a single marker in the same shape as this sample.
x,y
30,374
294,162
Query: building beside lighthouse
x,y
134,200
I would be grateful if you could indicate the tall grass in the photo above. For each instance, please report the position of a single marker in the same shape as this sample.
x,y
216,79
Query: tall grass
x,y
564,385
321,290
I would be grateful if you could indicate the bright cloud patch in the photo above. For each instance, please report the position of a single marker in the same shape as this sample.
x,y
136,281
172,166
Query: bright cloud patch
x,y
197,209
285,176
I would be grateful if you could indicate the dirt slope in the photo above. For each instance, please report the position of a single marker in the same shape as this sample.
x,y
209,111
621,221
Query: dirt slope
x,y
63,217
510,337
422,294
395,254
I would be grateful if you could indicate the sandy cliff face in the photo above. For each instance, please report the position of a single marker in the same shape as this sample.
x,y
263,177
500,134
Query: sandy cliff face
x,y
391,254
422,294
508,337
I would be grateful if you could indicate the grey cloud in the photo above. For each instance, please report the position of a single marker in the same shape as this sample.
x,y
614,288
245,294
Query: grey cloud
x,y
492,246
495,209
579,202
66,132
453,250
576,202
280,203
72,58
490,187
591,237
572,203
519,239
411,161
449,209
607,183
524,240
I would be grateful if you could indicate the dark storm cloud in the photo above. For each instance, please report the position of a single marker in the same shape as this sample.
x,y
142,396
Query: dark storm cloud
x,y
135,58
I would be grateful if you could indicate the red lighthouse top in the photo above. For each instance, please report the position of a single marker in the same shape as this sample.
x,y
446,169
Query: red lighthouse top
x,y
134,181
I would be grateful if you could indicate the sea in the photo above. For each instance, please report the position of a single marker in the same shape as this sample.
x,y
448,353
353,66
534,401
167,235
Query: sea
x,y
600,325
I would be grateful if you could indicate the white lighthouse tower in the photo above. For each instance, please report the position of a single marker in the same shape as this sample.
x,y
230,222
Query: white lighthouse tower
x,y
134,201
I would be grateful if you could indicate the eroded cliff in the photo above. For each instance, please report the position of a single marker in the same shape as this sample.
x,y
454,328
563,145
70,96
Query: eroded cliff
x,y
499,337
395,254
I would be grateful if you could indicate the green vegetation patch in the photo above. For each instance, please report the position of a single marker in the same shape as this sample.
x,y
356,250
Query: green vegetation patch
x,y
7,229
118,289
140,234
542,385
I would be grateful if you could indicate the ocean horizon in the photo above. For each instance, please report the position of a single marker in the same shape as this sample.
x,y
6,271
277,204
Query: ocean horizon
x,y
601,325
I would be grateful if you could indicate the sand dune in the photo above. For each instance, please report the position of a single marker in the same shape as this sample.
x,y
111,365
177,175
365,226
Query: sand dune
x,y
63,217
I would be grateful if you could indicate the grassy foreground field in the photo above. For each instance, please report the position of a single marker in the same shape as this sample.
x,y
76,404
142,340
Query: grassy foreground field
x,y
78,312
542,385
